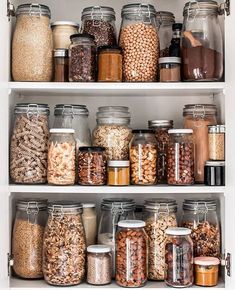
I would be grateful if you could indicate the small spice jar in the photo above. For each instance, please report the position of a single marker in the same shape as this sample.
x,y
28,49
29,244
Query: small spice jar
x,y
216,139
169,69
215,173
109,64
92,166
89,218
99,265
61,65
206,271
118,172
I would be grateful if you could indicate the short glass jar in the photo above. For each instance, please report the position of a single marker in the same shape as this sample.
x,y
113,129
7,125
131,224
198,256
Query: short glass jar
x,y
61,157
89,218
99,265
131,254
27,238
61,65
180,157
92,166
82,58
214,173
169,69
216,142
118,172
143,157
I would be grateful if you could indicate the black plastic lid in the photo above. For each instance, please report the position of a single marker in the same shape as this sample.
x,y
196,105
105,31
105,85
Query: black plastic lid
x,y
82,35
177,26
91,149
143,131
109,47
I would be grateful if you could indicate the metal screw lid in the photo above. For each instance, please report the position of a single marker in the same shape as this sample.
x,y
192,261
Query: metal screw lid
x,y
216,128
160,123
61,52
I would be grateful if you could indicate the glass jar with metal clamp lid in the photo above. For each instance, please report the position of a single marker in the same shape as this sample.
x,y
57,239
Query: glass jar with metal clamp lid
x,y
64,265
200,216
27,238
113,210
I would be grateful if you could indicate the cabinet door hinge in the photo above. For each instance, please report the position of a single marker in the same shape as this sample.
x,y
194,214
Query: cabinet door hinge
x,y
228,264
9,263
10,10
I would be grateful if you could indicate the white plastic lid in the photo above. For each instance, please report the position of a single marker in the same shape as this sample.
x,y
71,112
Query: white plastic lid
x,y
88,205
98,249
180,131
119,163
131,224
62,131
178,231
69,23
171,59
206,261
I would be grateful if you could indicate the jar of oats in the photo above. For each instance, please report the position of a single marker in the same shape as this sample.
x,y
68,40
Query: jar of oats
x,y
32,45
113,132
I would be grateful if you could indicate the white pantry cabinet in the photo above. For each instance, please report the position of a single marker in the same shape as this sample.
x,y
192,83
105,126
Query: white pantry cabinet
x,y
146,101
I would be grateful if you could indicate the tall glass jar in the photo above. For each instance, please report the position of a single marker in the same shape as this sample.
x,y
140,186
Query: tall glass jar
x,y
29,144
165,20
160,214
27,238
143,157
89,218
198,117
32,44
64,245
61,65
131,254
161,128
99,21
113,210
200,216
139,42
112,131
180,157
202,42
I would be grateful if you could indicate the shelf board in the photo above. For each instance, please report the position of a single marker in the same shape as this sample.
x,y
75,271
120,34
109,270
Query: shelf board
x,y
116,89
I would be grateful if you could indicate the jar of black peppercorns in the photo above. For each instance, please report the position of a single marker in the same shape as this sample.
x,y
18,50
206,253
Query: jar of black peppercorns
x,y
82,58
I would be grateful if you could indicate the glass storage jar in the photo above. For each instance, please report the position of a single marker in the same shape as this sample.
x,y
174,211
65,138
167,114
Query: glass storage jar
x,y
61,65
113,210
61,157
112,131
89,218
161,128
28,149
92,166
118,172
131,254
64,245
139,42
214,173
62,30
202,42
82,58
169,69
32,44
143,157
99,265
27,238
160,214
216,142
180,157
198,117
99,21
179,258
200,216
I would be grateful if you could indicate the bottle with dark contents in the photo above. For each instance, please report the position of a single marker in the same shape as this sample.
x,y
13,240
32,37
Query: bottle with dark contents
x,y
61,65
174,49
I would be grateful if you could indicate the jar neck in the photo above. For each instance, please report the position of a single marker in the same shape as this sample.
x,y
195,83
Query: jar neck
x,y
115,121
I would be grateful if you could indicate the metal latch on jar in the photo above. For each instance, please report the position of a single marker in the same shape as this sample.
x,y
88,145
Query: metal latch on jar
x,y
10,10
225,7
10,263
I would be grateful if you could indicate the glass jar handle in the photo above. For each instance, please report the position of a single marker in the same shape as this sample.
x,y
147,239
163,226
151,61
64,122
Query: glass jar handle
x,y
96,10
144,14
69,107
197,115
57,210
189,9
32,208
29,110
35,5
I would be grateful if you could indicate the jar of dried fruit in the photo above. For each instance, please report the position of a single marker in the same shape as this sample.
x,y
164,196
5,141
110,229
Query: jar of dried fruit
x,y
27,238
131,254
139,42
64,245
112,131
160,214
201,217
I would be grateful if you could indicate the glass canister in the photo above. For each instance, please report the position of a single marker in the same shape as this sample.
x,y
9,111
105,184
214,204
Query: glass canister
x,y
29,144
139,42
82,58
200,216
61,65
112,131
160,214
216,142
64,245
99,21
27,238
61,157
179,258
89,218
180,157
118,172
198,117
143,157
131,254
169,69
32,44
202,42
165,20
113,210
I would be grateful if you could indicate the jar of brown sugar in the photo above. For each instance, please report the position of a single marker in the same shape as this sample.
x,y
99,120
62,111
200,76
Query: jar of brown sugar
x,y
169,69
61,65
216,142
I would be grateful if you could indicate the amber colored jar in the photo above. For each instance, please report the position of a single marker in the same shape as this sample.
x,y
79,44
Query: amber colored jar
x,y
119,172
109,64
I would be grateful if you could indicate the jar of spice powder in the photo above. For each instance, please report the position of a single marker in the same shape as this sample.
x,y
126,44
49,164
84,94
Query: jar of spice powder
x,y
61,65
118,172
169,69
216,142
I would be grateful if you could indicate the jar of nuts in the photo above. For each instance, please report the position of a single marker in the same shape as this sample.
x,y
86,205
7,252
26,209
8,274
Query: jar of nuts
x,y
143,157
140,43
112,131
131,254
200,216
180,157
160,214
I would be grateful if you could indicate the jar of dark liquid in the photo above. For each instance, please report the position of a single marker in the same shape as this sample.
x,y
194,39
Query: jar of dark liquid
x,y
61,65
